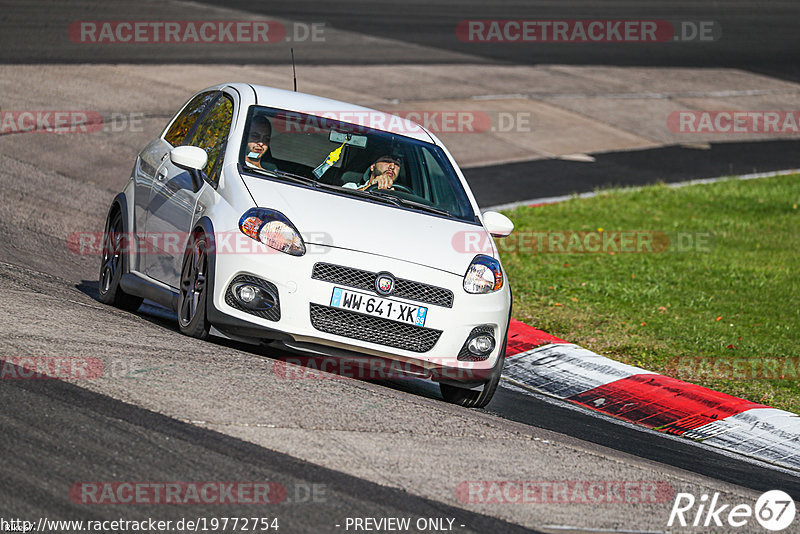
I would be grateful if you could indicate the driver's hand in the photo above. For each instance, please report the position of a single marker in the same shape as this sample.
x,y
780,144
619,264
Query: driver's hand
x,y
384,182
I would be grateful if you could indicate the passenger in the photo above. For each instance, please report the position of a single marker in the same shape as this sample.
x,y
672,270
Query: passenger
x,y
258,143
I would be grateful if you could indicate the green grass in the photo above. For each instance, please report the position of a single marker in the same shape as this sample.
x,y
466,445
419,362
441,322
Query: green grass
x,y
732,300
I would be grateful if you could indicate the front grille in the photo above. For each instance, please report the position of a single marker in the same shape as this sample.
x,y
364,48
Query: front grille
x,y
465,355
405,289
272,314
373,329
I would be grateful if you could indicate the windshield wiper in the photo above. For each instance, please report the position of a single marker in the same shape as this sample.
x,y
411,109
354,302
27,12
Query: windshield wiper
x,y
389,199
410,203
283,174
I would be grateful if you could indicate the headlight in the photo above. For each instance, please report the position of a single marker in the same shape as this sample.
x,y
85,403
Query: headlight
x,y
273,229
484,275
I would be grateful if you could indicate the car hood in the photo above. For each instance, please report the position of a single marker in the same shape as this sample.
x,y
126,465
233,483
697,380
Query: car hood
x,y
374,228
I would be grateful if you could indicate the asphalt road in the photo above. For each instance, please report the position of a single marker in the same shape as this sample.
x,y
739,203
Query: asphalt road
x,y
540,412
59,434
170,408
747,35
531,180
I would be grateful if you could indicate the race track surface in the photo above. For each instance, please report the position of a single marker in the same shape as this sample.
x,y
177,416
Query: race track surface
x,y
168,408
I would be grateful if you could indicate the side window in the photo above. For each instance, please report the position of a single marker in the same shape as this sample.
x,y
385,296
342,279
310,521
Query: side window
x,y
435,175
183,123
212,135
445,190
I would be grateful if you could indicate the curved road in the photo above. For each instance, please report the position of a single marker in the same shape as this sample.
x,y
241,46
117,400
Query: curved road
x,y
167,408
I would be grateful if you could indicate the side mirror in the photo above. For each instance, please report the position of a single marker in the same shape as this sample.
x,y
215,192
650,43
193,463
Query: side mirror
x,y
497,224
191,158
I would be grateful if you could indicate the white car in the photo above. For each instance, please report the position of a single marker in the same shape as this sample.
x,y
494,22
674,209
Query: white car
x,y
325,227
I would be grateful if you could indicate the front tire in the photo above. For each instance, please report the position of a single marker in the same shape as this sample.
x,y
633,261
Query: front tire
x,y
470,398
193,294
113,265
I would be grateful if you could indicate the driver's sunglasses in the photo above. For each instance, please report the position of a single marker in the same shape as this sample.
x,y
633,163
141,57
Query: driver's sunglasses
x,y
256,137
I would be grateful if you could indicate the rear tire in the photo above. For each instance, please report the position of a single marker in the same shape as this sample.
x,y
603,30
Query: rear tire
x,y
193,294
113,265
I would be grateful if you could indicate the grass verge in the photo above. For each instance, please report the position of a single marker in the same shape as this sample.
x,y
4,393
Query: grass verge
x,y
701,282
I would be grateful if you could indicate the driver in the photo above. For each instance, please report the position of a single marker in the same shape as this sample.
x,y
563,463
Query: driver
x,y
382,172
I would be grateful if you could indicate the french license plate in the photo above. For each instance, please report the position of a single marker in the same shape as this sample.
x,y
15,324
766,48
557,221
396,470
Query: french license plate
x,y
378,307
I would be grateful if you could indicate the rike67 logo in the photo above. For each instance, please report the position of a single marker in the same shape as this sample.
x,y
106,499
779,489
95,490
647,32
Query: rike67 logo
x,y
774,511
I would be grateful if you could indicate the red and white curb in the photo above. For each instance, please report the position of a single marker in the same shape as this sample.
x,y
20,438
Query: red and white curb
x,y
539,362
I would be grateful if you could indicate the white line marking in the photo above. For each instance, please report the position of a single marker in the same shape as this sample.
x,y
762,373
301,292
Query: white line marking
x,y
656,95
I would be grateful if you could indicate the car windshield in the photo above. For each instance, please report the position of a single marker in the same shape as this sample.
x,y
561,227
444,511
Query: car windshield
x,y
353,159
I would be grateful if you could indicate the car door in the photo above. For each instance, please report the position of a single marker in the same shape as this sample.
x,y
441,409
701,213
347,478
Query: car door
x,y
151,162
173,206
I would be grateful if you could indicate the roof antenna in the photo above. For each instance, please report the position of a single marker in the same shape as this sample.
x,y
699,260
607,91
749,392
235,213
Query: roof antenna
x,y
294,73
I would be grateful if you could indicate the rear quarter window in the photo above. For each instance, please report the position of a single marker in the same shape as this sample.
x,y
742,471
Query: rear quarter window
x,y
182,125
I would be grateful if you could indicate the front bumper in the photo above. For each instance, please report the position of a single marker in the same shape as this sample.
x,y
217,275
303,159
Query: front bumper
x,y
300,294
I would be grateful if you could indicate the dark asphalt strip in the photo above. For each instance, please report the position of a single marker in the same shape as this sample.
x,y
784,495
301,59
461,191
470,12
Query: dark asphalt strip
x,y
749,37
54,434
641,442
514,182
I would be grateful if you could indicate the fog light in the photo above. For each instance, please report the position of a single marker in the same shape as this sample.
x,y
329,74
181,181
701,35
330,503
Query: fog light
x,y
247,294
481,345
254,297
